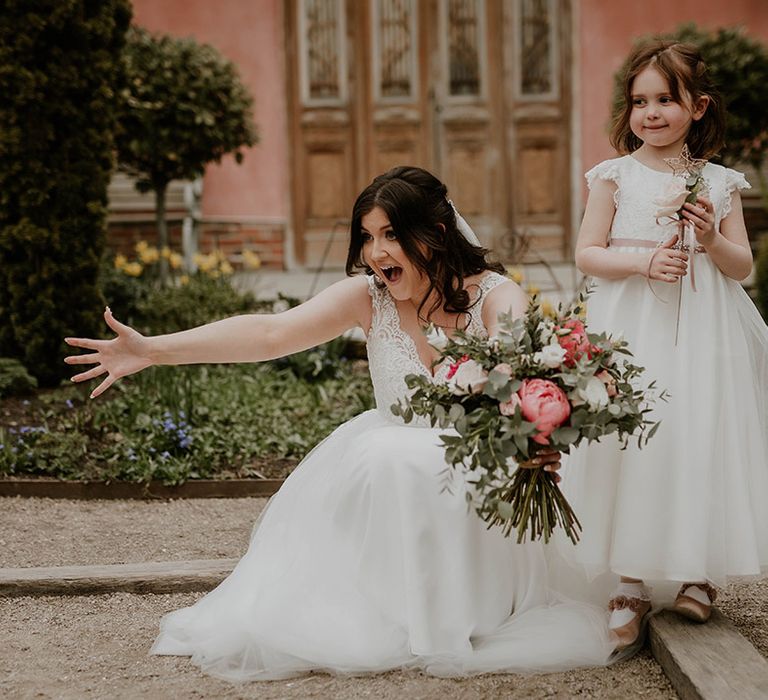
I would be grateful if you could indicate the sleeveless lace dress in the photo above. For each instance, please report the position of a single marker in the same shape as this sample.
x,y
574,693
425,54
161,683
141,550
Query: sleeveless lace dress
x,y
691,505
362,564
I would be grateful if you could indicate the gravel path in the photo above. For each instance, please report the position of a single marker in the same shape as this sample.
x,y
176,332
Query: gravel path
x,y
96,646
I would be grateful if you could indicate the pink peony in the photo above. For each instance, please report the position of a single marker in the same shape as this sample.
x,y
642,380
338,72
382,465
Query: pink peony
x,y
544,403
575,343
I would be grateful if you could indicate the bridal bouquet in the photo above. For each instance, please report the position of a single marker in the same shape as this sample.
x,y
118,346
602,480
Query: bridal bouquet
x,y
542,381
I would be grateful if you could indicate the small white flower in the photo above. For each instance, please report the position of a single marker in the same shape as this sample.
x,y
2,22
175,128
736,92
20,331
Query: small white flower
x,y
595,394
437,338
551,355
469,378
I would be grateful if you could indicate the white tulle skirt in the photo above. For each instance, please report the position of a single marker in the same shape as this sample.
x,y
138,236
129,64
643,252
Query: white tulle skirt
x,y
691,505
361,564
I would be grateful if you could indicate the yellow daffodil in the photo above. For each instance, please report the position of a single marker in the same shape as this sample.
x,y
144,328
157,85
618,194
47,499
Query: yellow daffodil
x,y
206,263
149,255
141,245
532,290
175,261
225,268
120,261
133,269
547,309
515,274
251,260
184,279
165,253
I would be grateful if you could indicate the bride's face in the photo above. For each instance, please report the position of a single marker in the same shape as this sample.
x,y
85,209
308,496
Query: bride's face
x,y
383,254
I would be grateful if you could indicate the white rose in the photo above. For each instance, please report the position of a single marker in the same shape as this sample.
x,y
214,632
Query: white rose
x,y
437,338
672,199
469,378
551,355
595,394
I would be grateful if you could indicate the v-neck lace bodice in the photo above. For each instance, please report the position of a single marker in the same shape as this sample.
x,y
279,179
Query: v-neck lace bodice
x,y
392,353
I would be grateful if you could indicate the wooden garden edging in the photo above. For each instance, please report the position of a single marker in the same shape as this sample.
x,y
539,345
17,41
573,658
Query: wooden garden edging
x,y
90,490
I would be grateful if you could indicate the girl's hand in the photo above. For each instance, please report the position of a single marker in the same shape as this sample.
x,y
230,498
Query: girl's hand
x,y
667,264
545,458
702,216
119,357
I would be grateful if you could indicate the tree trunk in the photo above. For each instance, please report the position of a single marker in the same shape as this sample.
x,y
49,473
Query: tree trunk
x,y
162,230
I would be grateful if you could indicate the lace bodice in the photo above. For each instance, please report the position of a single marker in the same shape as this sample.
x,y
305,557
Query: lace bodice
x,y
637,186
392,353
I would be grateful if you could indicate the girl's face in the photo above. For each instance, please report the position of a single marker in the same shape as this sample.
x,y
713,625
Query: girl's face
x,y
656,118
383,254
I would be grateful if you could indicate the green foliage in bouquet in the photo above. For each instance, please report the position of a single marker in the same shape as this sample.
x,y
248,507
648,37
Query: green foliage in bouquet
x,y
542,382
60,64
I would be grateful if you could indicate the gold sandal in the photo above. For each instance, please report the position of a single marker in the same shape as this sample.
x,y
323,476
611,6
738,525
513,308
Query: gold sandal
x,y
690,607
630,635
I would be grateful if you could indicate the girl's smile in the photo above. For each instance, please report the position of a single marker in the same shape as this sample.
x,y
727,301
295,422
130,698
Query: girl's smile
x,y
661,122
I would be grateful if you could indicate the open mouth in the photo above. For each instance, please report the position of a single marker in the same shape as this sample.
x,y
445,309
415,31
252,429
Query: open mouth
x,y
392,272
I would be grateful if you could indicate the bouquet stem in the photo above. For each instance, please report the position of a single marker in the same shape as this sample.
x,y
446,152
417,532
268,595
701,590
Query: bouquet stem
x,y
538,506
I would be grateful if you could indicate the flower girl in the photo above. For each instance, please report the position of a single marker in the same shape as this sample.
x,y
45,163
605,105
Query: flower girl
x,y
690,507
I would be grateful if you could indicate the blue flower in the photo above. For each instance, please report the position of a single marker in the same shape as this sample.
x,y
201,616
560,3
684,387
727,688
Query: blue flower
x,y
2,447
69,403
185,443
165,455
25,429
182,414
152,450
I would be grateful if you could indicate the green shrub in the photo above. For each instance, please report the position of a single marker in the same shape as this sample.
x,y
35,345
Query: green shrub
x,y
14,378
60,66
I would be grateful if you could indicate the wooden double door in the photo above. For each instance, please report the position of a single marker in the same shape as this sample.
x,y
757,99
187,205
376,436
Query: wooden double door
x,y
475,91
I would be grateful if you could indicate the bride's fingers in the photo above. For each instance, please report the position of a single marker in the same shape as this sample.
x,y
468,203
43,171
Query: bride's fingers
x,y
90,374
108,382
88,359
113,323
87,343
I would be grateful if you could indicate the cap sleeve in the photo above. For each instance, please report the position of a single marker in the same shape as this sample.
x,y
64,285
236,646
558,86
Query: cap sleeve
x,y
734,180
607,170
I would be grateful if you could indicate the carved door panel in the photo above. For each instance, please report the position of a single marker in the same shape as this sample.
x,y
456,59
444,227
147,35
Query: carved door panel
x,y
378,83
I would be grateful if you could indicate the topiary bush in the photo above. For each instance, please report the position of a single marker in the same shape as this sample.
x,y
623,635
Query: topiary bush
x,y
60,64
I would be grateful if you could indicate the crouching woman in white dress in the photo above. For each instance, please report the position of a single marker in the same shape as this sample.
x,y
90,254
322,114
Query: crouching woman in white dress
x,y
362,563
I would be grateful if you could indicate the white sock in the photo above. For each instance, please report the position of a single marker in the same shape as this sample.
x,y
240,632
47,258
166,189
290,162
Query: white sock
x,y
619,618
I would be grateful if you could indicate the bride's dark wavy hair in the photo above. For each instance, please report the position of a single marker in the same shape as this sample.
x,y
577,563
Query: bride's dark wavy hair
x,y
416,203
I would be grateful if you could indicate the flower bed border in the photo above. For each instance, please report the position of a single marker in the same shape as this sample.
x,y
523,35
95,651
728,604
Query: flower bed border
x,y
94,490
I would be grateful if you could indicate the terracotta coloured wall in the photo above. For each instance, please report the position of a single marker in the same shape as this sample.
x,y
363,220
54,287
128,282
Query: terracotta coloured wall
x,y
249,33
607,30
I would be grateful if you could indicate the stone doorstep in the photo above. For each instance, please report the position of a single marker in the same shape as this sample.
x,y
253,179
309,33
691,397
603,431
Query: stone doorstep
x,y
703,662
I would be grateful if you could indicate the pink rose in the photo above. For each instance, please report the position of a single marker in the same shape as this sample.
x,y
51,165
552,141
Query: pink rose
x,y
610,383
574,343
672,198
507,408
544,403
504,368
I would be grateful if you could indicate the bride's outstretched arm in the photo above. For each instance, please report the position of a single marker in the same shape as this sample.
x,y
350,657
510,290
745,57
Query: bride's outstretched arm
x,y
245,338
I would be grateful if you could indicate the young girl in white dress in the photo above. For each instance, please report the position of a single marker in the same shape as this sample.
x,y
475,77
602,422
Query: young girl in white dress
x,y
690,507
361,563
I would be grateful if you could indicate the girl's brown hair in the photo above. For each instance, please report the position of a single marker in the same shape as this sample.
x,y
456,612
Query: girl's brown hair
x,y
686,74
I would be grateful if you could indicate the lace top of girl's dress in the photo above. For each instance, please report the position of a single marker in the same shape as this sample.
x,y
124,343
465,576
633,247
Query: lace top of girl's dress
x,y
637,186
392,353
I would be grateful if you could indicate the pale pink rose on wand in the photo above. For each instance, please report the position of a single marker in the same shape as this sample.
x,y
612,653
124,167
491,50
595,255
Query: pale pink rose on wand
x,y
673,197
545,404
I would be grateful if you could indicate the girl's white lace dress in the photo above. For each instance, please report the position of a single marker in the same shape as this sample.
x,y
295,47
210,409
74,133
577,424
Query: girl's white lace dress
x,y
361,564
692,505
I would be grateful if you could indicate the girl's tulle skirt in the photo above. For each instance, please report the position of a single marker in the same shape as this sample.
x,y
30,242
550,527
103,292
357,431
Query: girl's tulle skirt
x,y
692,504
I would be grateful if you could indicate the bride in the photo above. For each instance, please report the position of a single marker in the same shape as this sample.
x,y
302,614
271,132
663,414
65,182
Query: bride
x,y
361,563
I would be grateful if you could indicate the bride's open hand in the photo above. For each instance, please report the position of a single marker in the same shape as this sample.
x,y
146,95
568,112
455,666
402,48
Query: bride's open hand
x,y
126,354
548,460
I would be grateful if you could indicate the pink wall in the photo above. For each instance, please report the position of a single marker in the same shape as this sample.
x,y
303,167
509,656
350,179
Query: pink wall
x,y
249,33
607,32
